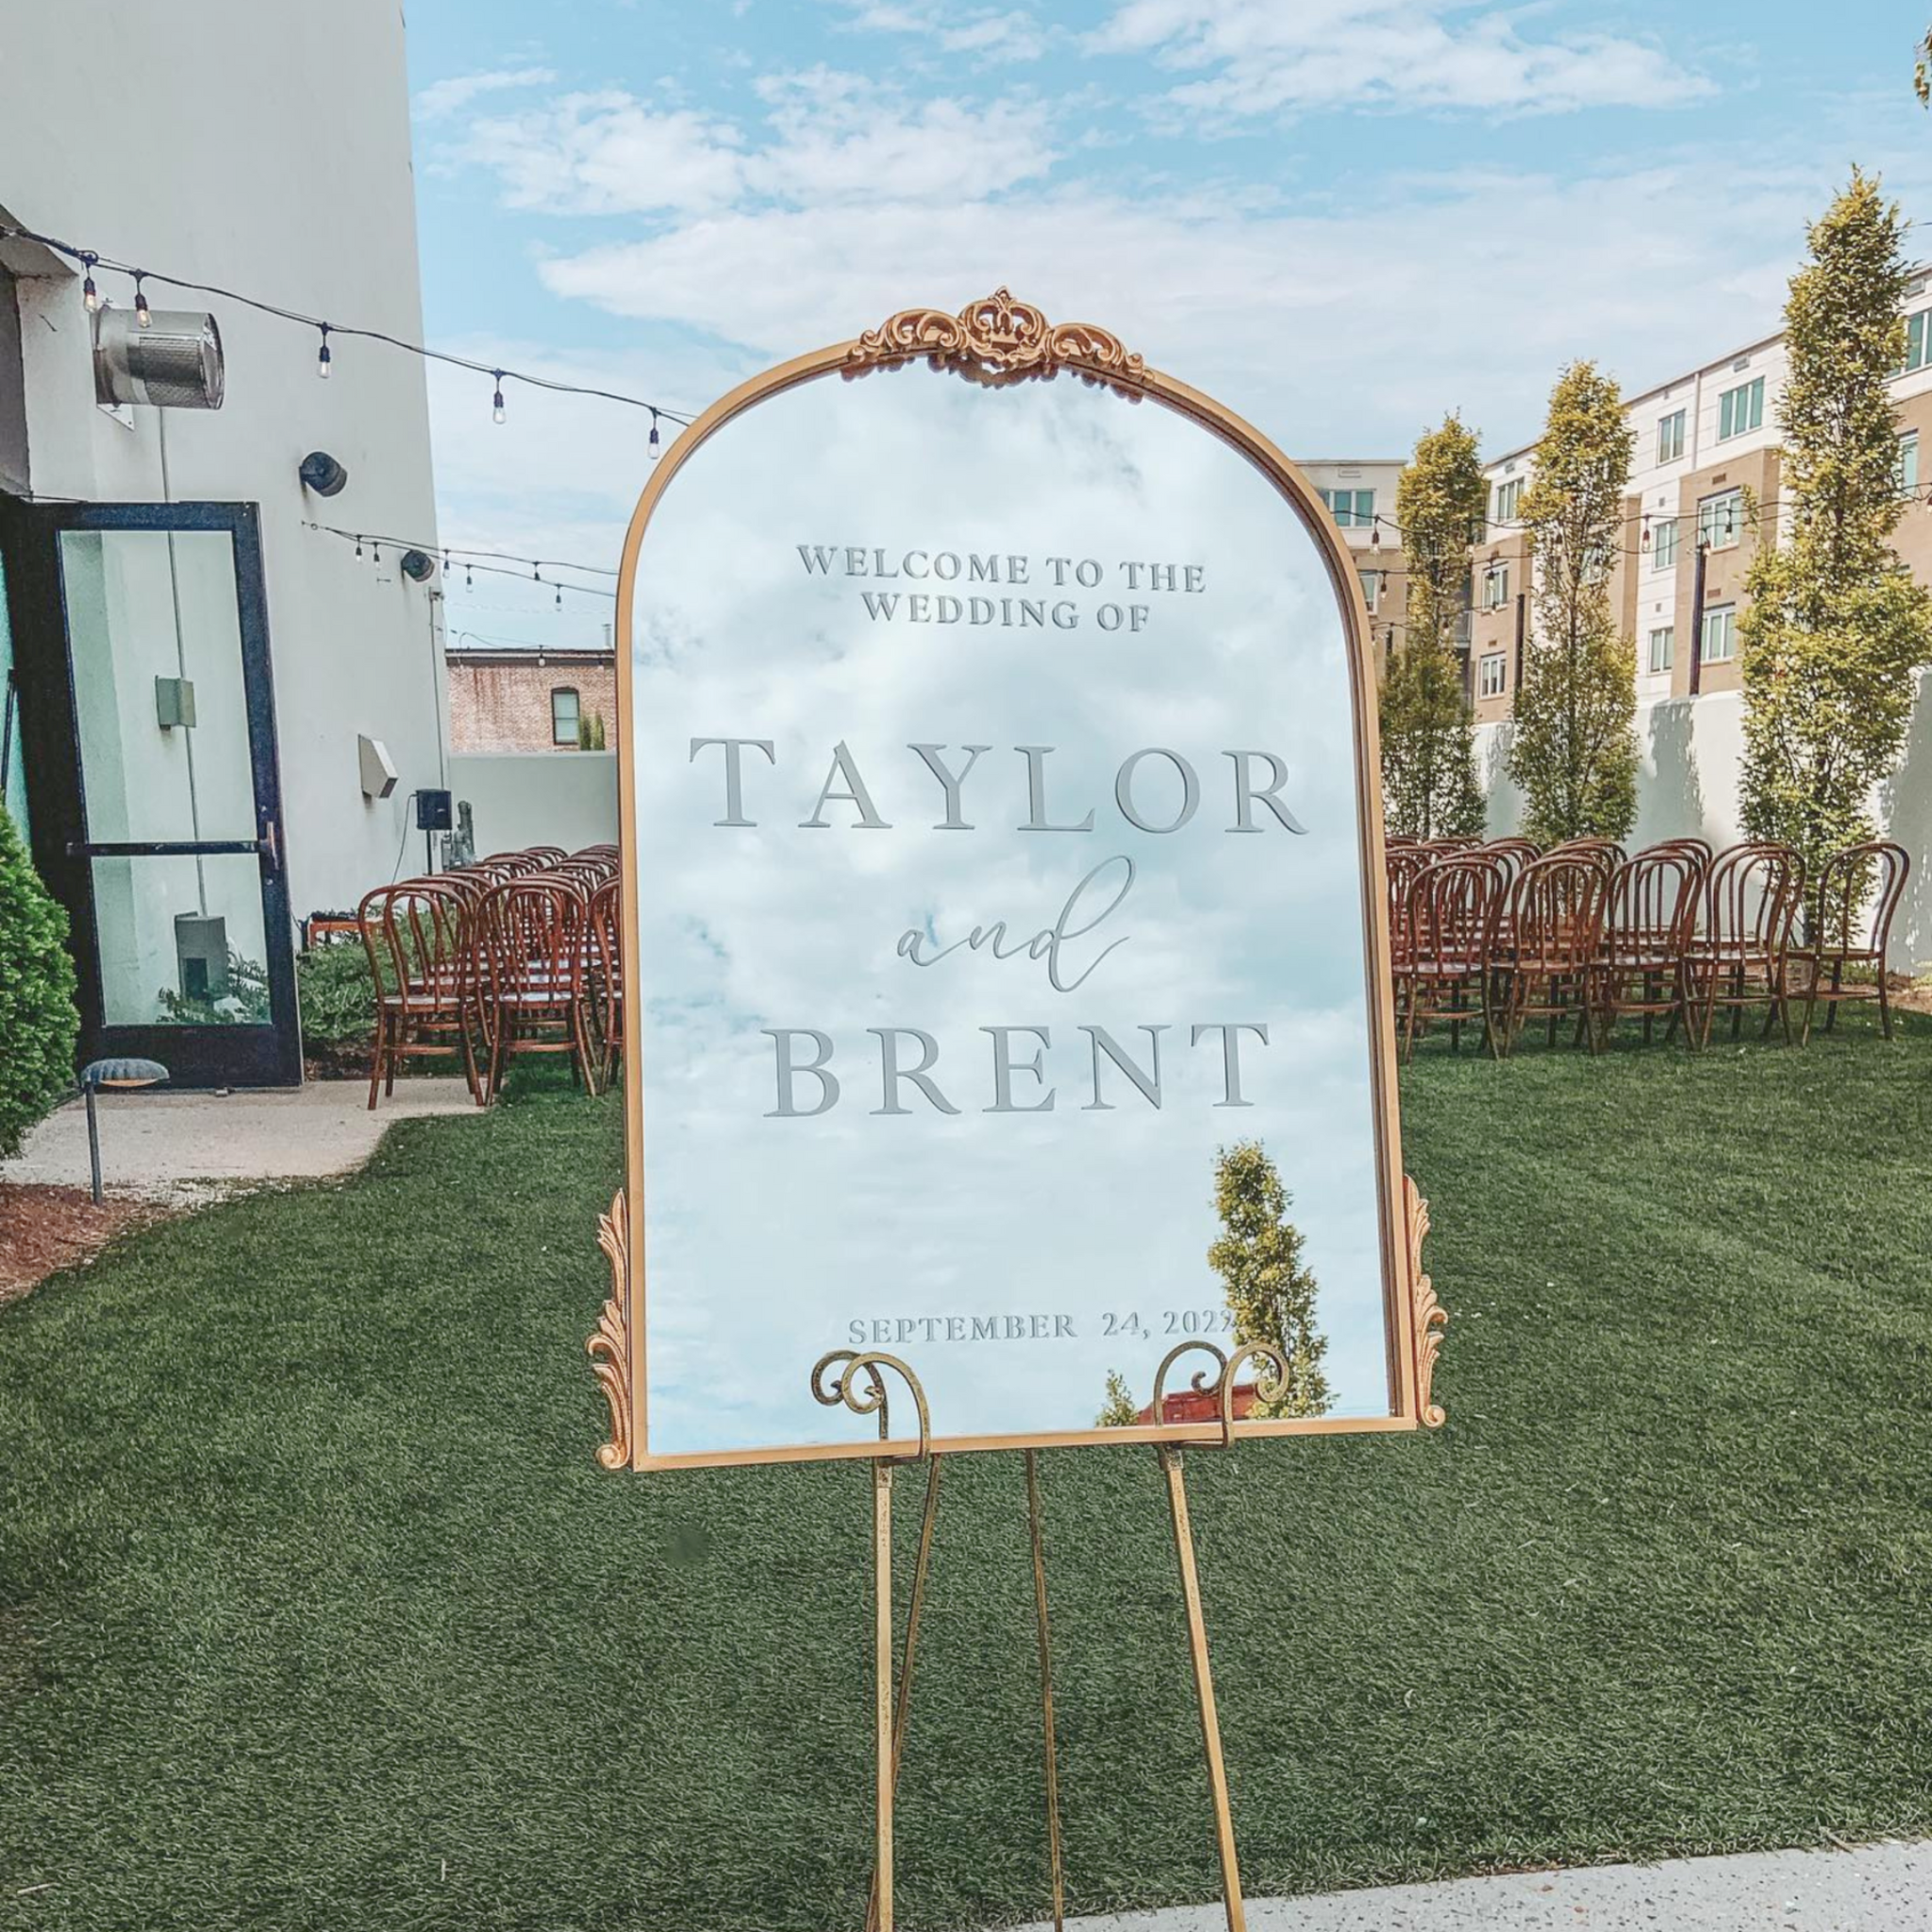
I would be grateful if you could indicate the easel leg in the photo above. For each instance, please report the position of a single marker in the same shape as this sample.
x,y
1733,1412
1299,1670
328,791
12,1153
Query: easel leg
x,y
882,1685
1203,1689
1053,1777
904,1701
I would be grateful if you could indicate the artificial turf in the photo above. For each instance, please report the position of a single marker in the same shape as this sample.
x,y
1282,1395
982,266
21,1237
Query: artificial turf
x,y
315,1610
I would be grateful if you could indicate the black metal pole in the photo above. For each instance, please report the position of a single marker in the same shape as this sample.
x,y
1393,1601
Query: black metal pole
x,y
94,1142
7,738
1697,617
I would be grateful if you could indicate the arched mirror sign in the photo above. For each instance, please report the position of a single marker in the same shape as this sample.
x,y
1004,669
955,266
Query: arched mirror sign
x,y
1006,952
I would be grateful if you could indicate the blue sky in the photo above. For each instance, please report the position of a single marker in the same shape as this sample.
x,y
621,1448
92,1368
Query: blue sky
x,y
1344,217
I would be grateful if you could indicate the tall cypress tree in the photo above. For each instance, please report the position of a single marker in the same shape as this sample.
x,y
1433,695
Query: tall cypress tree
x,y
1836,625
1574,753
1429,784
1271,1289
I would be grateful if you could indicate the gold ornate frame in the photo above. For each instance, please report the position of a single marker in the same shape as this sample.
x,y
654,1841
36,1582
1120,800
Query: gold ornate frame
x,y
999,340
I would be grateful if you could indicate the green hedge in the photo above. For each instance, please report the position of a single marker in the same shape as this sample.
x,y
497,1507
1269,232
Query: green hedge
x,y
38,1019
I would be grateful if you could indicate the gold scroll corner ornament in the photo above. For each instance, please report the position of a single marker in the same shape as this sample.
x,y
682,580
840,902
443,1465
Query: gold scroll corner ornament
x,y
1431,1317
609,1345
998,338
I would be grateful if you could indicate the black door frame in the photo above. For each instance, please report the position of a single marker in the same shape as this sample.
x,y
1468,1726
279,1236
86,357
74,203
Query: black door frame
x,y
49,728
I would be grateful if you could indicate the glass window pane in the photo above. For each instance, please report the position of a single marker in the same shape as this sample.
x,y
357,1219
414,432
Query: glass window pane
x,y
180,940
154,627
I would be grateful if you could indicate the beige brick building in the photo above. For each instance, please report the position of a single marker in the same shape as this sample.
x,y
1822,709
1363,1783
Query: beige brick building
x,y
1706,489
526,700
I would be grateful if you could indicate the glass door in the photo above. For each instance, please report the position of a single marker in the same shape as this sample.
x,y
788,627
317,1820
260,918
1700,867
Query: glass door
x,y
163,819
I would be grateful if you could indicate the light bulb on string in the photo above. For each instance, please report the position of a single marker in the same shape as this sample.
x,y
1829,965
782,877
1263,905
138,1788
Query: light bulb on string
x,y
1643,540
496,401
374,551
559,596
323,358
89,295
657,445
1376,533
143,316
358,546
469,578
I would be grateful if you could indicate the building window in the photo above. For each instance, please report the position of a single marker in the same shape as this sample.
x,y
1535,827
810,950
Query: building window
x,y
1662,645
1493,673
564,712
1740,410
1663,545
1720,634
1919,340
1670,438
1509,501
1720,520
1354,510
1908,464
1495,586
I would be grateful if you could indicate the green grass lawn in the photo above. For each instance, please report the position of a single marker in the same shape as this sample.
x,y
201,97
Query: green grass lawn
x,y
315,1610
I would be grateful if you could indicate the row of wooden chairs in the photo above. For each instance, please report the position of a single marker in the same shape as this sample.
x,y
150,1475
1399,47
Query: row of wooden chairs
x,y
1498,934
518,954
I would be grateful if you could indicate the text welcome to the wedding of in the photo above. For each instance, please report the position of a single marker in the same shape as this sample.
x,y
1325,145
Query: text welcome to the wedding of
x,y
1162,791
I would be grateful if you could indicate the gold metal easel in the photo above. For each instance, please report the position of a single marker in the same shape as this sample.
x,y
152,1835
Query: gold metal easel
x,y
1271,1379
860,1386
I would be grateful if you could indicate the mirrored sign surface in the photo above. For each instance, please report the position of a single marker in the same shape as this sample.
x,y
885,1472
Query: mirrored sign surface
x,y
996,847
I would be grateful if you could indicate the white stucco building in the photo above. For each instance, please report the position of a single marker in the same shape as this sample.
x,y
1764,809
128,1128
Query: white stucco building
x,y
157,556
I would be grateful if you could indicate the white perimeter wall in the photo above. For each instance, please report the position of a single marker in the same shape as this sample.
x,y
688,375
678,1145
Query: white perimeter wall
x,y
264,147
538,798
1686,787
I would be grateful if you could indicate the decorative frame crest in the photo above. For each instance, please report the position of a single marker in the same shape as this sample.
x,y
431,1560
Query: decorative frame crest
x,y
998,338
609,1344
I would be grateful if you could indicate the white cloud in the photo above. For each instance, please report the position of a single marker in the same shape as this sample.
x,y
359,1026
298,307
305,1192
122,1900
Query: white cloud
x,y
606,153
990,35
1260,57
442,98
1345,329
829,136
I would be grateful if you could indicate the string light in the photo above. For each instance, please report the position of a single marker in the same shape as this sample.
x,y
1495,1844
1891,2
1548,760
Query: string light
x,y
657,445
90,259
496,401
323,358
141,315
559,596
525,570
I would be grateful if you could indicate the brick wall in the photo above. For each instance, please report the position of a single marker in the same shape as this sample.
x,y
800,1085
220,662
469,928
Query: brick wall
x,y
501,701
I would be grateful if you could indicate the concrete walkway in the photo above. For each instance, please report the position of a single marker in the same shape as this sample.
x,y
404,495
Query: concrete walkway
x,y
1885,1888
185,1147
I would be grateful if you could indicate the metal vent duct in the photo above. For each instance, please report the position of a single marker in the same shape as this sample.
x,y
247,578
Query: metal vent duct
x,y
175,363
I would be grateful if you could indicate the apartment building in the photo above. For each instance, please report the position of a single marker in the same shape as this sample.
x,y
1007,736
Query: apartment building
x,y
1360,495
1706,450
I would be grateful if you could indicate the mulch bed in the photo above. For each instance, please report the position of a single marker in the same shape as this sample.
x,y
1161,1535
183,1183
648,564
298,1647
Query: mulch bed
x,y
43,1229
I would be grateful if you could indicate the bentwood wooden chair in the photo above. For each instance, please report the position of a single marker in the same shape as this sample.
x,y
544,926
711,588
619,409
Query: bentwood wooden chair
x,y
534,931
416,935
1650,913
1543,950
1843,941
1740,955
605,963
1451,905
